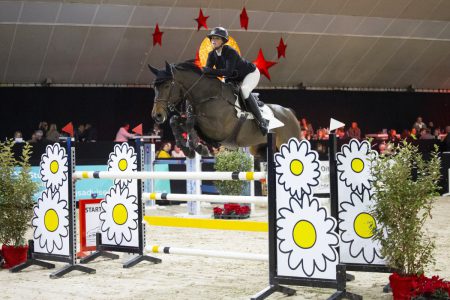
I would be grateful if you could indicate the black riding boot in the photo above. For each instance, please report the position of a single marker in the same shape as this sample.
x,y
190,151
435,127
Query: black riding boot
x,y
254,109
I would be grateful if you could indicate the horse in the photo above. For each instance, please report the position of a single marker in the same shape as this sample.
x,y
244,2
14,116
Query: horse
x,y
212,110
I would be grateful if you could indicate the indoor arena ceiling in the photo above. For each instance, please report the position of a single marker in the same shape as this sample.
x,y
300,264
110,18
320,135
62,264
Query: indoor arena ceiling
x,y
330,43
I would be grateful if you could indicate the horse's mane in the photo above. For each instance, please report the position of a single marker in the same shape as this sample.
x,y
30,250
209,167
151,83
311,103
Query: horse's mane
x,y
189,65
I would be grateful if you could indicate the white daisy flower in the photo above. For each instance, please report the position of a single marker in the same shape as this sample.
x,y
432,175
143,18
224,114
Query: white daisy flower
x,y
298,167
356,225
122,159
50,221
353,165
307,235
119,214
54,166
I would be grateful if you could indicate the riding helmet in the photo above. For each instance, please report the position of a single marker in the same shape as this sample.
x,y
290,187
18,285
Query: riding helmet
x,y
220,32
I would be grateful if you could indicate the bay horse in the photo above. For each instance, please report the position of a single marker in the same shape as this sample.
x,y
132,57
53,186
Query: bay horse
x,y
212,111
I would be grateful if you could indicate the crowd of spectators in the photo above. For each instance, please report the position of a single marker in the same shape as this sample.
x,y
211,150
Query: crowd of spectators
x,y
51,134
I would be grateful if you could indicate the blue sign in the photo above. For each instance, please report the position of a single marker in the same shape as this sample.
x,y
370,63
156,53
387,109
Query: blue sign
x,y
84,189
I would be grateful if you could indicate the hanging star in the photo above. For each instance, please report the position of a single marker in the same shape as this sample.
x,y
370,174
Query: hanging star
x,y
281,48
157,36
244,18
262,64
201,20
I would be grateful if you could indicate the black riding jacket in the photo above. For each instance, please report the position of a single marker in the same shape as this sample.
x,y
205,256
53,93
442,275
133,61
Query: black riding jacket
x,y
229,64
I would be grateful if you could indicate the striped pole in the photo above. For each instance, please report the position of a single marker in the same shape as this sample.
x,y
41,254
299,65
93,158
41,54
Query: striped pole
x,y
204,198
171,175
207,253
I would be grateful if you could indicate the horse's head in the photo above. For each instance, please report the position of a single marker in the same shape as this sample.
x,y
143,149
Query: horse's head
x,y
168,93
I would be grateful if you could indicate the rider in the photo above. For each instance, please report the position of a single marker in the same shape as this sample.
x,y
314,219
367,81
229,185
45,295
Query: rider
x,y
233,67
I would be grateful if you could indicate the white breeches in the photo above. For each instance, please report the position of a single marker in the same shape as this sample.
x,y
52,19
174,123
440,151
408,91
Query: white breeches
x,y
249,83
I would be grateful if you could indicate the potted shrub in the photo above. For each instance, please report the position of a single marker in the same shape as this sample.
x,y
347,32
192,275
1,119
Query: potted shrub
x,y
232,161
405,186
16,202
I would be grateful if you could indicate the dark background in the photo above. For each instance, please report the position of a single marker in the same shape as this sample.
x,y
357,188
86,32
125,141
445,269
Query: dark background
x,y
107,108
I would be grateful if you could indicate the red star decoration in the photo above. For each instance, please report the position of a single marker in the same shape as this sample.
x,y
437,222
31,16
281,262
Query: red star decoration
x,y
157,36
281,49
201,20
262,64
244,18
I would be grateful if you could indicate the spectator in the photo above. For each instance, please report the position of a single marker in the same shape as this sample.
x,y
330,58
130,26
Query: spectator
x,y
33,139
123,135
437,133
340,133
354,132
90,133
44,127
413,134
425,134
393,138
307,127
431,126
164,151
177,152
80,134
18,137
418,125
405,134
53,134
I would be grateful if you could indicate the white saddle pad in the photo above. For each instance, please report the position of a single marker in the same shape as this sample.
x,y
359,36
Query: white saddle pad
x,y
266,113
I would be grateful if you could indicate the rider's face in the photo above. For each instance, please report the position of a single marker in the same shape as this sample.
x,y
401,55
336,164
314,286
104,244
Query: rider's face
x,y
216,42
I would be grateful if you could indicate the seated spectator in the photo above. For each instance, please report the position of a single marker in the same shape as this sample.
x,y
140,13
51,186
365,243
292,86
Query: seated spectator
x,y
80,134
354,132
405,134
177,152
418,125
393,138
164,151
340,133
437,133
44,127
123,135
307,127
33,139
413,134
90,133
53,134
18,137
425,134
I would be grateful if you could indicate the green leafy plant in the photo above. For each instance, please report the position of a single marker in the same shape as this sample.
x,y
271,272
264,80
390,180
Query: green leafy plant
x,y
406,186
16,194
232,161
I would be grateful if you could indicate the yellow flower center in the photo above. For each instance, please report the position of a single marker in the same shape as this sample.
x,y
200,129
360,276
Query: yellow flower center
x,y
357,165
296,167
51,220
120,214
123,164
54,166
364,225
304,234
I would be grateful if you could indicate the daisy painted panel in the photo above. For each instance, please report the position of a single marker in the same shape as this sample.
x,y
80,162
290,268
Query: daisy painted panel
x,y
119,215
51,212
306,235
355,197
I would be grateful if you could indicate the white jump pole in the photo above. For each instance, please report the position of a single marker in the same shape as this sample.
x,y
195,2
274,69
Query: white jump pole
x,y
207,253
204,198
170,175
193,186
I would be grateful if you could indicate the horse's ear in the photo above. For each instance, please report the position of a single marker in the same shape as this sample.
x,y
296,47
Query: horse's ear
x,y
153,69
168,68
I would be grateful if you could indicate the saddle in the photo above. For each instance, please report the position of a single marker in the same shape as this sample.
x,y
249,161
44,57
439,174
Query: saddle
x,y
236,88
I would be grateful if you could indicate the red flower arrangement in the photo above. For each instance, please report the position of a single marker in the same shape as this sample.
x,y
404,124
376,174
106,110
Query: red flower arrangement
x,y
419,287
232,209
430,288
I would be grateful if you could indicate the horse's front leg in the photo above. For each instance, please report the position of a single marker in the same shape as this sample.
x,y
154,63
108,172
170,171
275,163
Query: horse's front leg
x,y
178,128
194,140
